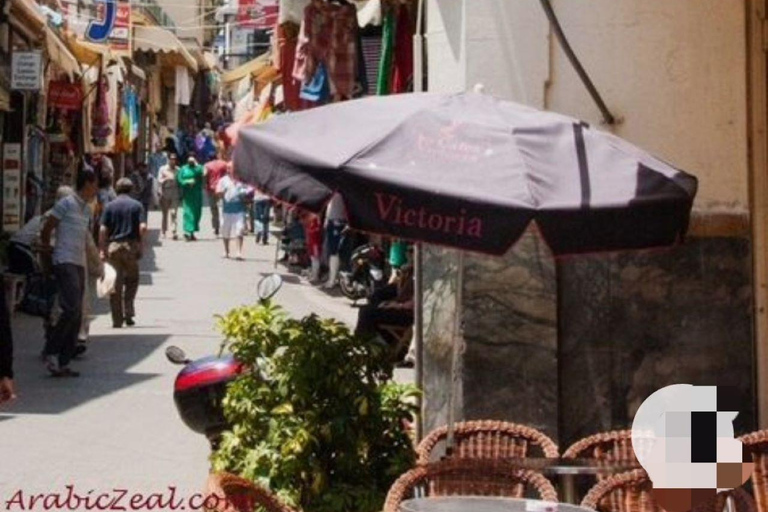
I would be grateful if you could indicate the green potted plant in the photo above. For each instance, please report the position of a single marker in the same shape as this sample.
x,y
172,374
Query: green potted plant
x,y
315,419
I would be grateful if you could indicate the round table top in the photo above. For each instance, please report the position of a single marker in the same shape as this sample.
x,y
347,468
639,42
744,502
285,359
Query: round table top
x,y
485,504
556,467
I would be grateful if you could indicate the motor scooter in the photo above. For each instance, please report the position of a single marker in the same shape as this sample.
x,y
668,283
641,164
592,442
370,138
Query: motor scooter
x,y
201,385
366,273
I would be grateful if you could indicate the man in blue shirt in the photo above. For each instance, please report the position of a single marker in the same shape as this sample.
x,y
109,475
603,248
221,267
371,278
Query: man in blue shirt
x,y
71,219
120,243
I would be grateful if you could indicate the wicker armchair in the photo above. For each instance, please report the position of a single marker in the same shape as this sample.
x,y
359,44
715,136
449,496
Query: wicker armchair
x,y
609,446
757,444
236,494
468,477
488,440
632,492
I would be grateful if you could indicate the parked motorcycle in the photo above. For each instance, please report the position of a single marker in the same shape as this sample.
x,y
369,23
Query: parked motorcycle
x,y
366,273
201,385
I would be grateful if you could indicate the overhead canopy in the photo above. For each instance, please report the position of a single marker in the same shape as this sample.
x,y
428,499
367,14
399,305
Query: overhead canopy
x,y
211,61
469,171
30,11
252,67
60,54
25,16
164,42
86,52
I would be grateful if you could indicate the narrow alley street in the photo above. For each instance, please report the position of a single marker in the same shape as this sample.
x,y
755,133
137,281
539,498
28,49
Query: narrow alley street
x,y
116,426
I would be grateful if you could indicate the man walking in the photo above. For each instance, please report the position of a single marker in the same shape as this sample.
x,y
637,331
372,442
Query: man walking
x,y
215,171
71,218
120,243
143,188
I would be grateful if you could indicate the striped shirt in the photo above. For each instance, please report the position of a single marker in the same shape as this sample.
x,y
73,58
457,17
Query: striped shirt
x,y
74,217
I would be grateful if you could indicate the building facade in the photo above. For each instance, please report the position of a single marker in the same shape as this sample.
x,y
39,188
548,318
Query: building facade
x,y
573,346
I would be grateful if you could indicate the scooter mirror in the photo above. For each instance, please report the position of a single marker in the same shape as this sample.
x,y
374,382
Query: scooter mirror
x,y
176,355
269,286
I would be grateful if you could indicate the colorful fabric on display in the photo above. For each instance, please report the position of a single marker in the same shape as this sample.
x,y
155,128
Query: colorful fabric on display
x,y
328,36
130,117
135,115
317,90
402,75
387,55
101,128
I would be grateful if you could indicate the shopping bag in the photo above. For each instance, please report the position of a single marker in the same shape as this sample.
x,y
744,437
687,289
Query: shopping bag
x,y
105,286
39,295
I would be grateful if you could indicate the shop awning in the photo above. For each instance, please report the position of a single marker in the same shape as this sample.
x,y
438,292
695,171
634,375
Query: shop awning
x,y
30,11
164,42
26,16
251,67
59,53
211,61
86,52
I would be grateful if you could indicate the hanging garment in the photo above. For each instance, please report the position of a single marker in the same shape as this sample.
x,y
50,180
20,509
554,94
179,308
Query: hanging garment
x,y
135,115
123,139
301,59
155,91
100,125
387,55
371,47
287,39
329,36
402,75
115,79
317,90
342,63
183,86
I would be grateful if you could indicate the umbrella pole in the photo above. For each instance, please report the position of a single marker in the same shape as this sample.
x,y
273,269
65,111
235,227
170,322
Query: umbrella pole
x,y
457,346
418,324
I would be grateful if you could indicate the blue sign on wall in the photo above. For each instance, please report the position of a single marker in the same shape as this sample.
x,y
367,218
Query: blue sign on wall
x,y
99,30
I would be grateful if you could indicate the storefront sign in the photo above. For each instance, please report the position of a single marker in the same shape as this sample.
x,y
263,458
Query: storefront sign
x,y
12,187
26,71
257,14
120,39
113,26
65,95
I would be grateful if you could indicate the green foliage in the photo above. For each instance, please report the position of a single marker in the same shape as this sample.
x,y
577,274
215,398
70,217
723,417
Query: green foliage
x,y
316,419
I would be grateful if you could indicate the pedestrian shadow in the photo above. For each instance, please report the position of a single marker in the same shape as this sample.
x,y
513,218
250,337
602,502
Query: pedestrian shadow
x,y
104,370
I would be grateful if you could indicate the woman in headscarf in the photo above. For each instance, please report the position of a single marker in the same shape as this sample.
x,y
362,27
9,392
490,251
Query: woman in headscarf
x,y
190,179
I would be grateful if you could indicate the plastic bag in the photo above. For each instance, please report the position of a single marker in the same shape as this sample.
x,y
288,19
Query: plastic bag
x,y
106,285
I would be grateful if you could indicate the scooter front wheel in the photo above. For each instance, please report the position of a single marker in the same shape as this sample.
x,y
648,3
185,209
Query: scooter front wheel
x,y
352,290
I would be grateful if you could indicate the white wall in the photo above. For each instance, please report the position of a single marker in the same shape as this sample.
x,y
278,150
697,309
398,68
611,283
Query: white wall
x,y
186,15
673,70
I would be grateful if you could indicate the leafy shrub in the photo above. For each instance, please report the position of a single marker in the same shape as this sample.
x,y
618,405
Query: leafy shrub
x,y
315,420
